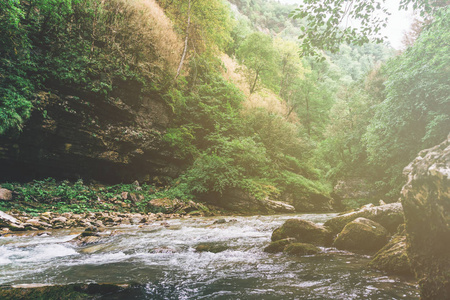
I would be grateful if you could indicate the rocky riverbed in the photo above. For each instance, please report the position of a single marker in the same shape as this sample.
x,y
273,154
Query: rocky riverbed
x,y
188,258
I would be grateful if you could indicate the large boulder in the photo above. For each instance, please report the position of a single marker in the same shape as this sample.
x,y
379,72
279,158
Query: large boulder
x,y
304,232
392,258
390,216
426,202
362,235
240,201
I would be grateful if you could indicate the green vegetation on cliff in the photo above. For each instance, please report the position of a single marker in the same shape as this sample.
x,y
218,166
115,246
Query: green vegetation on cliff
x,y
259,118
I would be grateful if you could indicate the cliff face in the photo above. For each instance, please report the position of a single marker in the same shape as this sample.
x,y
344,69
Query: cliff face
x,y
426,204
113,140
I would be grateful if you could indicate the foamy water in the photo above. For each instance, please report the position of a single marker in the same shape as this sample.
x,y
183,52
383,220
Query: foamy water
x,y
163,260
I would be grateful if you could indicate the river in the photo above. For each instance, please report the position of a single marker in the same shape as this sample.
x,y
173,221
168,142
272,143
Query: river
x,y
161,258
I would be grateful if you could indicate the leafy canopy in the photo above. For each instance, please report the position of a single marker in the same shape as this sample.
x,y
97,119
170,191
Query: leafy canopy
x,y
333,22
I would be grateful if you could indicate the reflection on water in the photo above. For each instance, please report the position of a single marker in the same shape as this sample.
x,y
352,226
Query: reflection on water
x,y
163,261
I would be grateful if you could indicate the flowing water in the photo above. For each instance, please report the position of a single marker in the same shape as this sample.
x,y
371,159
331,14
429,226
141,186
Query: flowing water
x,y
163,261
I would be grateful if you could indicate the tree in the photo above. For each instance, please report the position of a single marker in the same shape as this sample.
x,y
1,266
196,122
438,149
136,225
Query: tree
x,y
289,64
258,55
205,25
329,21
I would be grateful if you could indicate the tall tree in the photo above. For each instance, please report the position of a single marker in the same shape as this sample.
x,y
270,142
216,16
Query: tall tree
x,y
258,55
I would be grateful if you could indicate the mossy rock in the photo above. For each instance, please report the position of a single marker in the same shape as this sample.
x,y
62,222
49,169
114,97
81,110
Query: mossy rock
x,y
392,258
304,232
278,246
362,235
300,249
390,216
211,247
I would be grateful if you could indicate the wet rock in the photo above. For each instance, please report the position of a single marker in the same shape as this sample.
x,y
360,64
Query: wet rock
x,y
220,221
59,220
278,246
362,235
304,232
5,195
10,222
163,250
390,216
211,247
426,201
392,258
38,224
300,249
85,240
89,236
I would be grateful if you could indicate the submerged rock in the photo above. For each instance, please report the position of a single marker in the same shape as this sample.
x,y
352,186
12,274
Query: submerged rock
x,y
362,235
300,249
211,247
392,258
303,231
390,216
278,246
426,201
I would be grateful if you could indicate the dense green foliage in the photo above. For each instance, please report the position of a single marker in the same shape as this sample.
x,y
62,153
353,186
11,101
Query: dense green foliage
x,y
341,117
64,196
80,45
416,112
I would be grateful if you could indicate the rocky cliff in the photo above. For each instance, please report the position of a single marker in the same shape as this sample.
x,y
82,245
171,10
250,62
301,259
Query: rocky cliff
x,y
112,140
426,204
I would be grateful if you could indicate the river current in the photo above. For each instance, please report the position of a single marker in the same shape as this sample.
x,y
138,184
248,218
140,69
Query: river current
x,y
161,258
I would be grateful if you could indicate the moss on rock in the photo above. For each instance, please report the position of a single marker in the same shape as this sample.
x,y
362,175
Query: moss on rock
x,y
303,231
362,235
300,249
390,216
278,246
392,258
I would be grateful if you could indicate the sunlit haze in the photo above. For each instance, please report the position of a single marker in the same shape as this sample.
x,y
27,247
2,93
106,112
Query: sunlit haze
x,y
398,23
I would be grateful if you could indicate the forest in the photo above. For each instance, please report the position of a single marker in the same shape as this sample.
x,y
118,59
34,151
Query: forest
x,y
214,107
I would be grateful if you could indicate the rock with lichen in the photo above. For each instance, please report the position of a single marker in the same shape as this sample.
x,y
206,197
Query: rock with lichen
x,y
392,258
303,232
426,203
362,235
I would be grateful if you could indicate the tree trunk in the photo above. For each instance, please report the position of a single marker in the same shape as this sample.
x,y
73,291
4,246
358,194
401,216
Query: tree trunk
x,y
186,39
253,87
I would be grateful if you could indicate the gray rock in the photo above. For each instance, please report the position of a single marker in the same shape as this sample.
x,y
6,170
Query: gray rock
x,y
304,232
390,216
392,258
426,201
